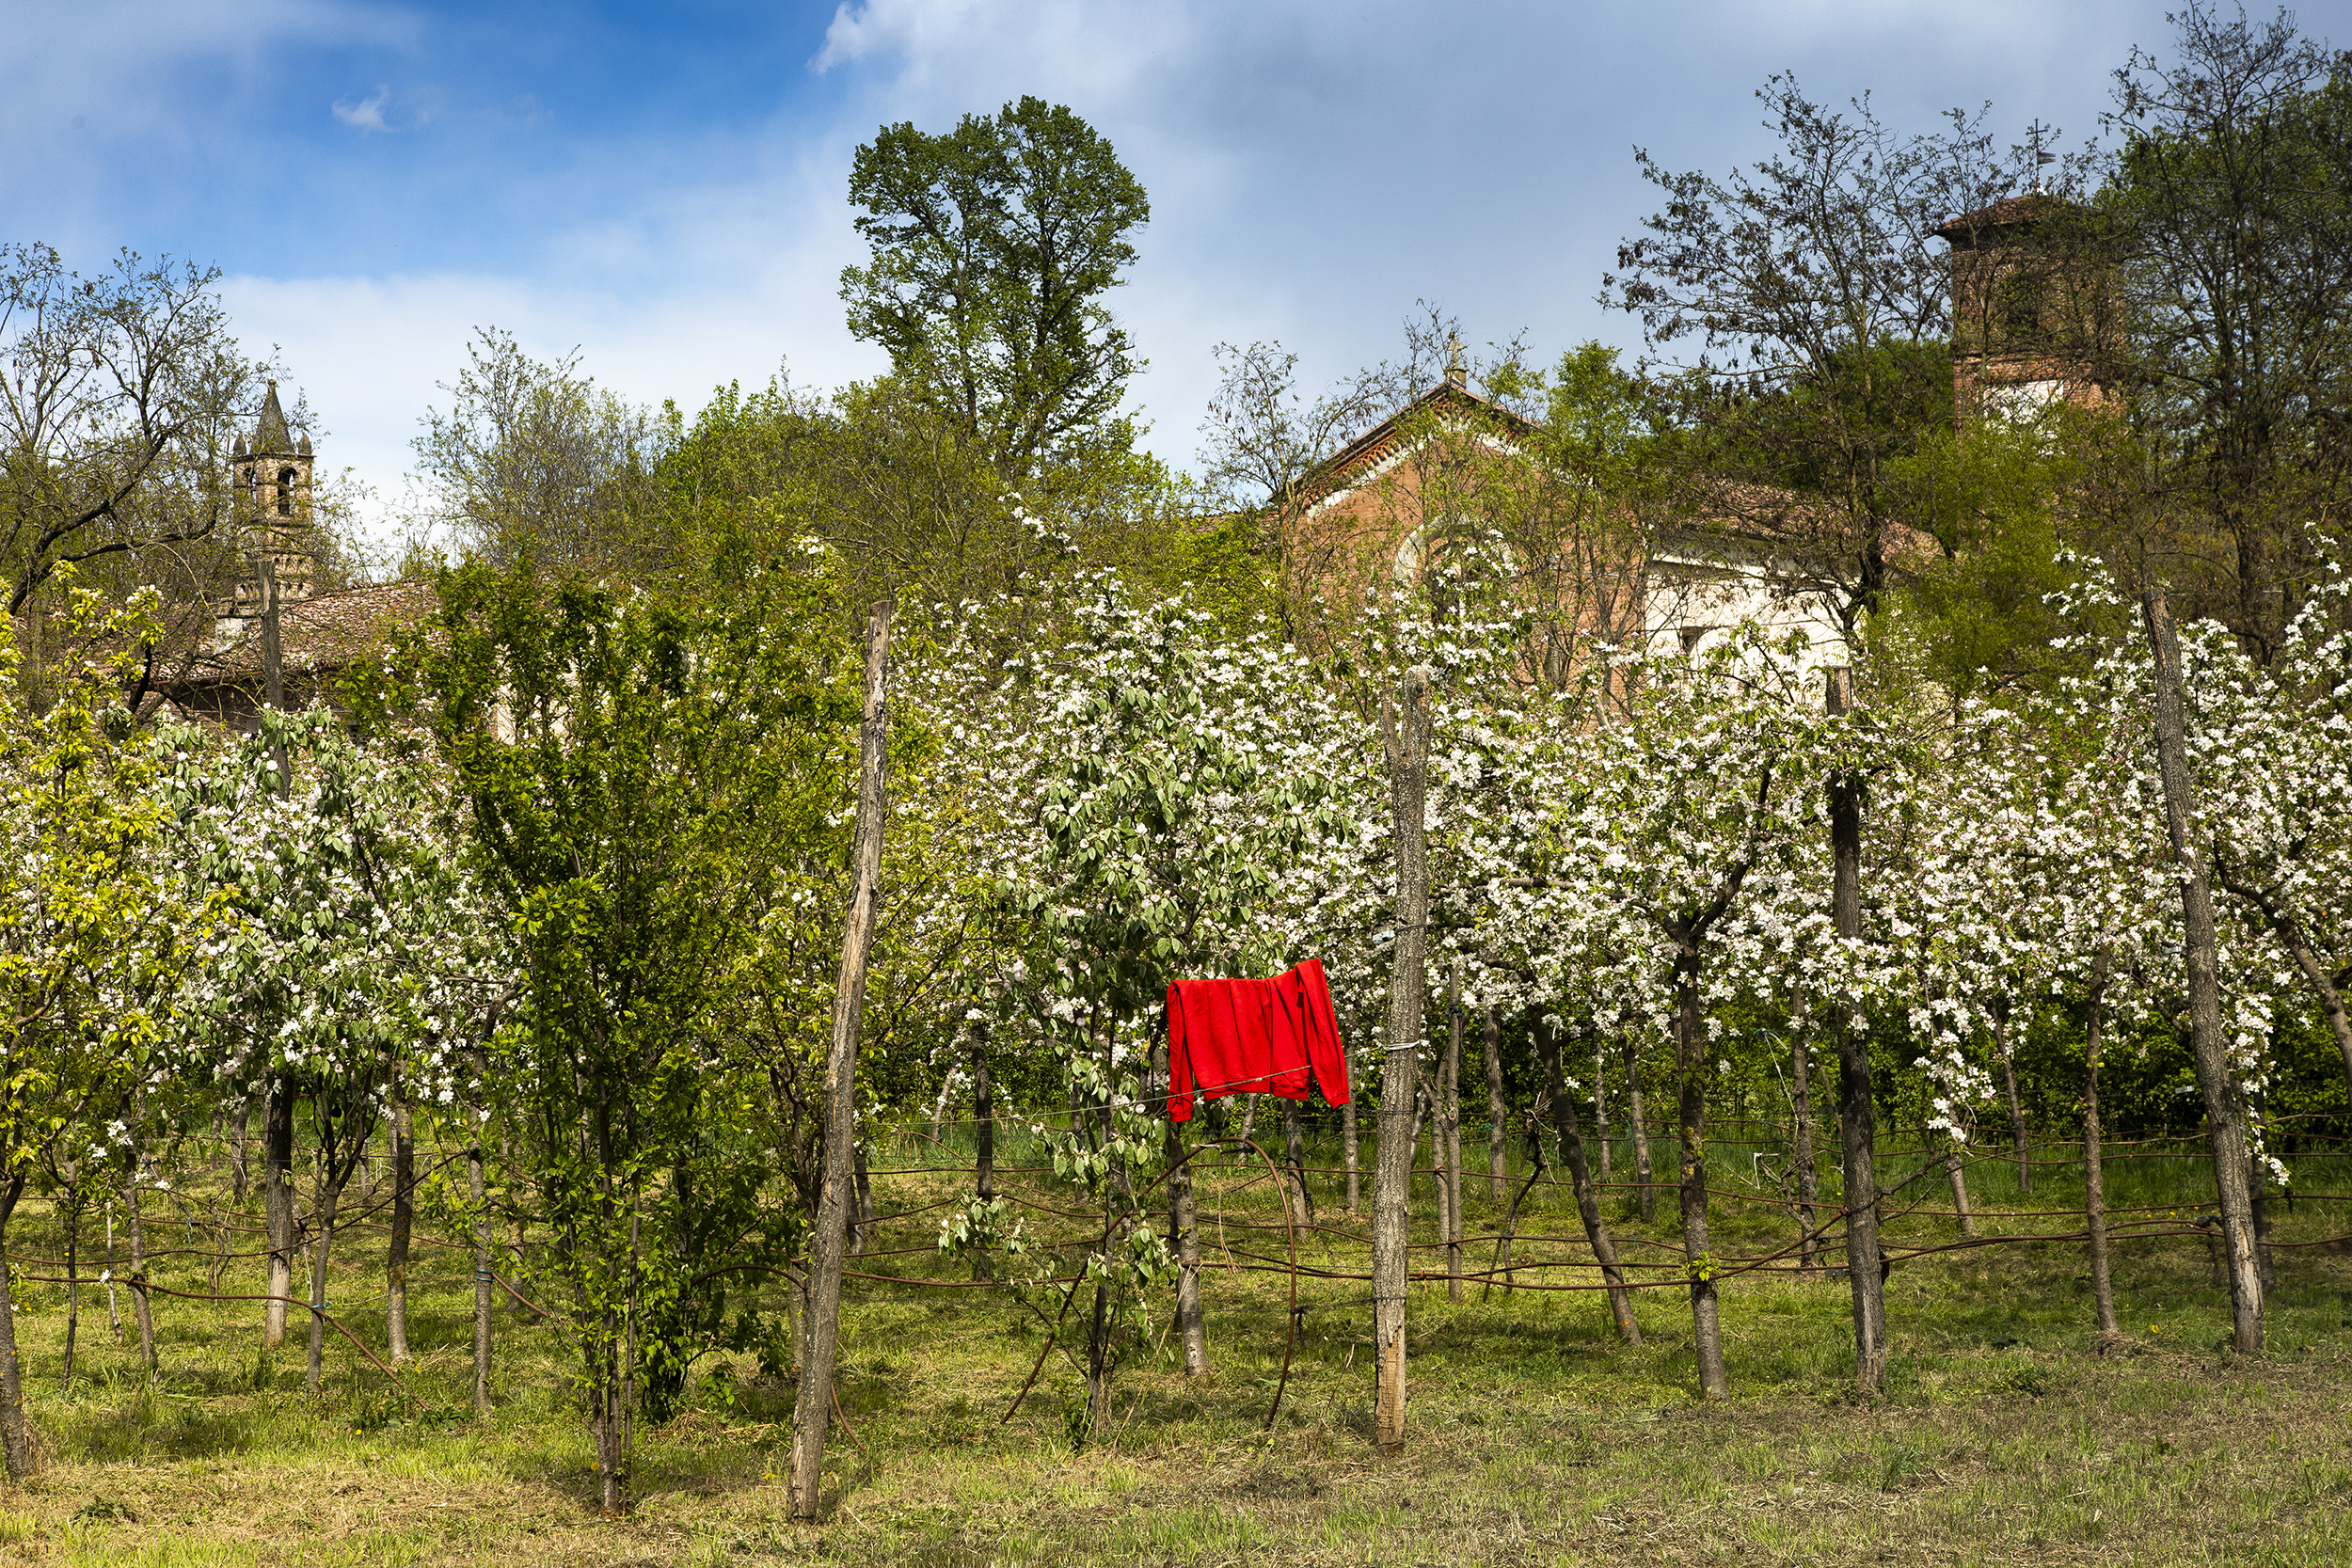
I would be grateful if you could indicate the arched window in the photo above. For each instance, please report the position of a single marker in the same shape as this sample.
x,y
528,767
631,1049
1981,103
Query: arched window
x,y
285,492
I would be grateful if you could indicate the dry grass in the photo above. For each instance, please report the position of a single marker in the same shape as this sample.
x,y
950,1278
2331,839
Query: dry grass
x,y
2004,1438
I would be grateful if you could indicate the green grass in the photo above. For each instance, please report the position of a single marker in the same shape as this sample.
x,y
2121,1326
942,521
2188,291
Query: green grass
x,y
1536,1437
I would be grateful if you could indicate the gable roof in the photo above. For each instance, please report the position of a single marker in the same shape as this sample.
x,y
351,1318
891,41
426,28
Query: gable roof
x,y
1348,468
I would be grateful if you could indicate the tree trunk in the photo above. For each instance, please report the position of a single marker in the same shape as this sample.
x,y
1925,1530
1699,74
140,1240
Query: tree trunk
x,y
16,1440
812,1412
72,1276
1645,1195
1956,1171
2266,1268
1498,1114
140,1308
277,1206
330,1198
1183,1243
1857,1111
1580,1175
404,1218
1407,732
1295,1152
861,1225
1449,1138
1600,1109
1707,1328
2094,1173
1098,1364
2016,1110
1808,1174
241,1179
481,1280
2224,1108
984,1137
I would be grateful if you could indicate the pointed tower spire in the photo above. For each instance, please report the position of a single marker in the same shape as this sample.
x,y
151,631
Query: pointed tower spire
x,y
271,434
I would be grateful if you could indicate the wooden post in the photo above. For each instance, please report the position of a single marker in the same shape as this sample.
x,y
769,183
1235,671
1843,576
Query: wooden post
x,y
1348,1142
1450,1193
1808,1177
1405,728
2225,1119
1498,1114
278,1205
812,1412
1857,1112
481,1275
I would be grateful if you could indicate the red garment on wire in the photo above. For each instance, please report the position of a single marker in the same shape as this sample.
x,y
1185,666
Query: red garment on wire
x,y
1253,1037
1308,996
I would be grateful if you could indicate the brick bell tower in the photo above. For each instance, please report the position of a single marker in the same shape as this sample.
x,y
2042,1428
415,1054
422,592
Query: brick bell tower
x,y
2034,318
273,509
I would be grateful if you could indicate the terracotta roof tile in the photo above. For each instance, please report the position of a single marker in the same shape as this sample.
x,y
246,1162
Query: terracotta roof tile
x,y
328,632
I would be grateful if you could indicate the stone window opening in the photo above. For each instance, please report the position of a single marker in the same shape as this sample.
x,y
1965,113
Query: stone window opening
x,y
285,492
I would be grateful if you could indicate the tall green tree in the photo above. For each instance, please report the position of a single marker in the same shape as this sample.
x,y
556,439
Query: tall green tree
x,y
534,461
2233,186
1818,306
993,247
627,768
93,937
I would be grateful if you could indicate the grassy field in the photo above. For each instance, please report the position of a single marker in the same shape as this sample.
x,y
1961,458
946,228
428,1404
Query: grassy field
x,y
1536,1437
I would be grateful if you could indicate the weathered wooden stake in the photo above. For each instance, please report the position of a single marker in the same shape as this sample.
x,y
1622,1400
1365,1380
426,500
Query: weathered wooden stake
x,y
1449,1192
812,1412
1405,728
1498,1114
1808,1174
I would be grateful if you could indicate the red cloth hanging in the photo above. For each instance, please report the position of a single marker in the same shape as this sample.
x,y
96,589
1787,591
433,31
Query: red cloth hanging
x,y
1307,995
1253,1037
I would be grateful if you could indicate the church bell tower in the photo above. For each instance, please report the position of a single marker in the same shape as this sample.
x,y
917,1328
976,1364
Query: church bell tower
x,y
273,509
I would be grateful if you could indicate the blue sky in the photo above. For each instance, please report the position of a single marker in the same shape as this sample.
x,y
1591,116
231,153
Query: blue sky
x,y
661,187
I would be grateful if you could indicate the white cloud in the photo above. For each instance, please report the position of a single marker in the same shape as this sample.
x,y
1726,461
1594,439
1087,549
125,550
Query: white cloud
x,y
1313,173
725,283
368,114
